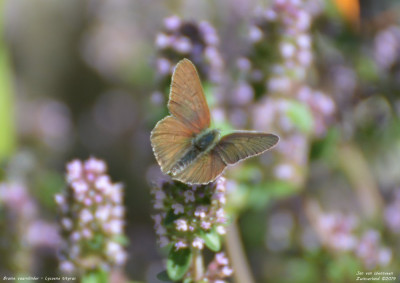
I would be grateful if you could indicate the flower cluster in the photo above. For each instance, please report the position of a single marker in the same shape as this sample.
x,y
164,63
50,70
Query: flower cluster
x,y
111,40
337,232
188,213
286,104
218,269
187,39
91,218
282,28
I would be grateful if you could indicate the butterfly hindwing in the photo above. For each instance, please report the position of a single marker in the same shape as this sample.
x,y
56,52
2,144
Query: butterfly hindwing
x,y
204,169
170,139
241,145
186,99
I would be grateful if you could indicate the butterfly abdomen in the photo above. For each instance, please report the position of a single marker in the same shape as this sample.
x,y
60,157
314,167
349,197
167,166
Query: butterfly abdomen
x,y
187,158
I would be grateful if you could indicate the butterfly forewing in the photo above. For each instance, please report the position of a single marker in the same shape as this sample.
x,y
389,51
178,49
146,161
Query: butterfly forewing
x,y
204,169
241,145
186,100
170,140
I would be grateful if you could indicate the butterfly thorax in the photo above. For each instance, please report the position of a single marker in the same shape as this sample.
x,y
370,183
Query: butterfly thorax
x,y
201,144
206,139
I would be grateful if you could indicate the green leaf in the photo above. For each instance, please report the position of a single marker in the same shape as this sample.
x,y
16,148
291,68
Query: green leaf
x,y
167,248
163,276
301,270
342,269
47,184
121,239
248,172
331,10
300,115
209,93
259,196
178,263
224,126
170,217
262,194
238,199
96,243
96,276
281,189
212,240
325,148
366,68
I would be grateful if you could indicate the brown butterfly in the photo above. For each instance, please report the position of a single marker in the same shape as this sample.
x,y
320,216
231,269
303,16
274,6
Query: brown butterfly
x,y
183,143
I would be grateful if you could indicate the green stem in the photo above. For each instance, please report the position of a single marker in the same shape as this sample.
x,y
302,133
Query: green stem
x,y
237,256
198,265
354,164
7,129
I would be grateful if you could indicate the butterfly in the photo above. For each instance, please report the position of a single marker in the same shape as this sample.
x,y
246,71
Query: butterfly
x,y
183,143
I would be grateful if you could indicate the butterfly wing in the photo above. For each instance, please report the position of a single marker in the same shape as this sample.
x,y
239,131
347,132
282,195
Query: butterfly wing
x,y
186,99
204,169
170,139
240,145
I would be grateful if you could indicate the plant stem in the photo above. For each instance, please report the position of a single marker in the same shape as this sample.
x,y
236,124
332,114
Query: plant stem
x,y
7,123
237,256
198,265
356,167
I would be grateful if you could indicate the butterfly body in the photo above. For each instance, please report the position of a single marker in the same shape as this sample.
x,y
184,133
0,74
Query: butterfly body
x,y
201,144
184,144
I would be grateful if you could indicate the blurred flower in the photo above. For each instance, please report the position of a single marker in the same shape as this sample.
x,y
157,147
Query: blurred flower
x,y
91,218
111,41
49,121
197,41
39,228
21,229
370,251
243,94
218,269
337,231
392,214
322,107
387,47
